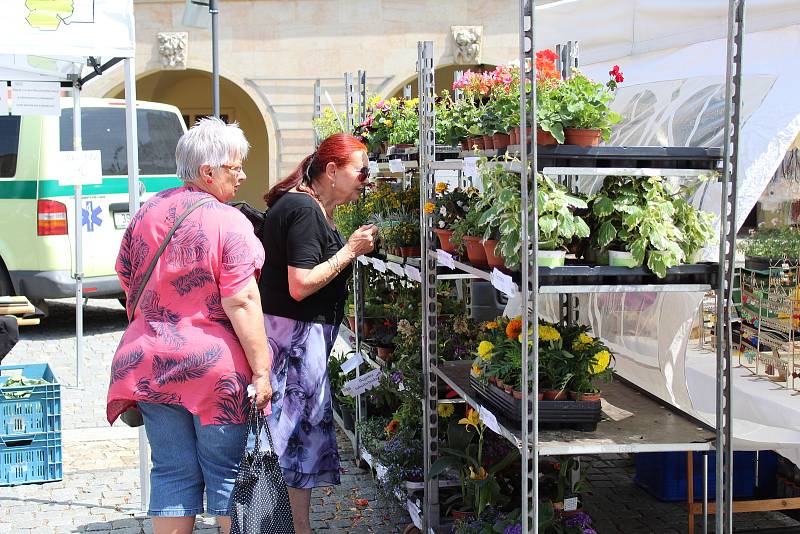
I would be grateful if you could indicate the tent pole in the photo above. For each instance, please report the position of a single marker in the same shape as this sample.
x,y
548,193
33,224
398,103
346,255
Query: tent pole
x,y
131,127
78,229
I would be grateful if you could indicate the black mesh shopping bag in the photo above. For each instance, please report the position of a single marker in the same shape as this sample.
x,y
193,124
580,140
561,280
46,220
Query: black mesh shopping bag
x,y
260,501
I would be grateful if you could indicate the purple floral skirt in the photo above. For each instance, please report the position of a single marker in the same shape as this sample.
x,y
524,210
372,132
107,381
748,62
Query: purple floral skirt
x,y
301,423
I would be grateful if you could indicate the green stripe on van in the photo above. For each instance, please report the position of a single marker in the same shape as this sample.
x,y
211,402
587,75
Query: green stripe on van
x,y
26,189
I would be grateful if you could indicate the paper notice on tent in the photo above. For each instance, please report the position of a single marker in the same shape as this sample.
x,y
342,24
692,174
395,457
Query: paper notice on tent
x,y
3,98
79,168
35,98
68,28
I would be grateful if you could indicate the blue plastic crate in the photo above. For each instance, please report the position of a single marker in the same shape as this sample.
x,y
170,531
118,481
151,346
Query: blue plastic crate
x,y
663,474
40,411
33,458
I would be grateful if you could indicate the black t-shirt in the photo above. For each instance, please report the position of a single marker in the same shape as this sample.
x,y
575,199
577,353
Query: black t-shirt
x,y
297,234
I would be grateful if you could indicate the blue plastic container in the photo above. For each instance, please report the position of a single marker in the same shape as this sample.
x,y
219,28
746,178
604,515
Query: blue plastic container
x,y
27,459
39,411
663,474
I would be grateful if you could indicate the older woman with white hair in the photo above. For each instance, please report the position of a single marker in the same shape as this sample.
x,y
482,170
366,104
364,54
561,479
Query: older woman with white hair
x,y
196,336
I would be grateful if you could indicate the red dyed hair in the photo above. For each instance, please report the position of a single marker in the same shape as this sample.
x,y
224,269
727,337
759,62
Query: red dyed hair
x,y
337,148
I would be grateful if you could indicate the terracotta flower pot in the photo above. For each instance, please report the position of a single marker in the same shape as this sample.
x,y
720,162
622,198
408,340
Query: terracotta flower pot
x,y
492,379
462,515
581,396
385,353
512,137
491,258
444,239
515,136
555,394
475,251
500,140
508,389
465,144
540,396
351,322
582,137
410,252
545,138
499,382
475,142
488,142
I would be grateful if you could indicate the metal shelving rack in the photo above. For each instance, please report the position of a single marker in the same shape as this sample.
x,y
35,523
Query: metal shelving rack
x,y
532,443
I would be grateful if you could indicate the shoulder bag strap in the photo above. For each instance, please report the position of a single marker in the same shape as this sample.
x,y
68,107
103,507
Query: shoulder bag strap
x,y
160,250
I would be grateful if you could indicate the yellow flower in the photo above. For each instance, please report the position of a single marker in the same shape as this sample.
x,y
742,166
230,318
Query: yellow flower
x,y
430,207
388,123
476,370
548,333
441,187
480,475
601,362
583,339
491,325
485,350
472,419
444,410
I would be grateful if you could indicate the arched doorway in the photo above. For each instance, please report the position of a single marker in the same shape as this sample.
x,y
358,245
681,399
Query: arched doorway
x,y
443,78
190,91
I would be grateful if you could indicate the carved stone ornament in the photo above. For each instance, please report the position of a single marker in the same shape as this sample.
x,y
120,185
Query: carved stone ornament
x,y
173,47
468,41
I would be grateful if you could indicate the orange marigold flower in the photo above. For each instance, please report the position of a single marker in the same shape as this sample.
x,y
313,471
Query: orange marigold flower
x,y
514,328
430,207
391,428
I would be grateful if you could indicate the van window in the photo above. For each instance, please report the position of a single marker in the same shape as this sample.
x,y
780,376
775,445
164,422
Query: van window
x,y
9,145
103,129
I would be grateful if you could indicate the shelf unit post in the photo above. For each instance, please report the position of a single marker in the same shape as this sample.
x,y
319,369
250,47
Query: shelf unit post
x,y
427,155
317,108
362,96
349,101
530,282
728,226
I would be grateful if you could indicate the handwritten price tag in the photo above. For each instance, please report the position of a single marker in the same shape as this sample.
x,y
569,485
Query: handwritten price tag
x,y
413,273
397,165
503,282
570,504
471,167
352,362
379,265
489,419
444,259
363,383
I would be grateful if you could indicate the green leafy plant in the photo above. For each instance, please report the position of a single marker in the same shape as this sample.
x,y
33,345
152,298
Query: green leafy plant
x,y
777,243
583,103
469,225
328,123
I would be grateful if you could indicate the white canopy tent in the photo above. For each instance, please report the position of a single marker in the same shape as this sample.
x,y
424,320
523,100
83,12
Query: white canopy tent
x,y
53,42
672,53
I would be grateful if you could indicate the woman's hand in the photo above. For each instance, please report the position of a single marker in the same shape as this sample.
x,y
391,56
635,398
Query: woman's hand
x,y
263,390
362,241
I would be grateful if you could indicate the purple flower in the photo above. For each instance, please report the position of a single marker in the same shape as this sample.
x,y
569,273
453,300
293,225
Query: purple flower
x,y
397,377
515,529
581,519
589,530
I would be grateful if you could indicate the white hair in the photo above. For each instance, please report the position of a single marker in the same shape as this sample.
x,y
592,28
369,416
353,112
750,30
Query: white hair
x,y
209,142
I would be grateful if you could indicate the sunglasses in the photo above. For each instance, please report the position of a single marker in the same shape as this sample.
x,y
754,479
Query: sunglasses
x,y
363,174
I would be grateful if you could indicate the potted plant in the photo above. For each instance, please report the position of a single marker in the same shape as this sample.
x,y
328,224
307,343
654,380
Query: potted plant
x,y
449,207
467,231
383,337
479,486
768,247
583,106
404,131
549,121
328,123
592,362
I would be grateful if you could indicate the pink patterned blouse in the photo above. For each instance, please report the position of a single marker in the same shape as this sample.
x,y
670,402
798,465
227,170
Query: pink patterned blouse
x,y
180,347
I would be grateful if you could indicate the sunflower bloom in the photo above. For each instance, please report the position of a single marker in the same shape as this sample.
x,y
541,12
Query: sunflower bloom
x,y
430,207
514,328
472,419
444,410
548,333
485,350
601,362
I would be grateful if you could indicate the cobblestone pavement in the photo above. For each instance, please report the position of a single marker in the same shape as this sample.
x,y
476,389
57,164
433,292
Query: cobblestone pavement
x,y
100,489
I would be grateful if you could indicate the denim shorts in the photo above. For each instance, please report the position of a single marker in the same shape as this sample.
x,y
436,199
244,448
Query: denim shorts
x,y
189,458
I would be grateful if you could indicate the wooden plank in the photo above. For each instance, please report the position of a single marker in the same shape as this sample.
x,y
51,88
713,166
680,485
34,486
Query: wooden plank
x,y
17,310
27,322
13,300
759,505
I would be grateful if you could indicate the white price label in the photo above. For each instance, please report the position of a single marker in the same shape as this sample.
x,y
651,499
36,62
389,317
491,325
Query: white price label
x,y
379,265
444,259
396,268
401,387
363,260
397,165
354,361
503,282
471,167
363,383
81,167
570,504
413,273
373,168
489,419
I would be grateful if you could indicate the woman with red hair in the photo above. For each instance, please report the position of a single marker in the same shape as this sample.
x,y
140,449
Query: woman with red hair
x,y
303,292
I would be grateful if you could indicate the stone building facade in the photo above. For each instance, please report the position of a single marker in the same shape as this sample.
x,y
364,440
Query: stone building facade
x,y
272,51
